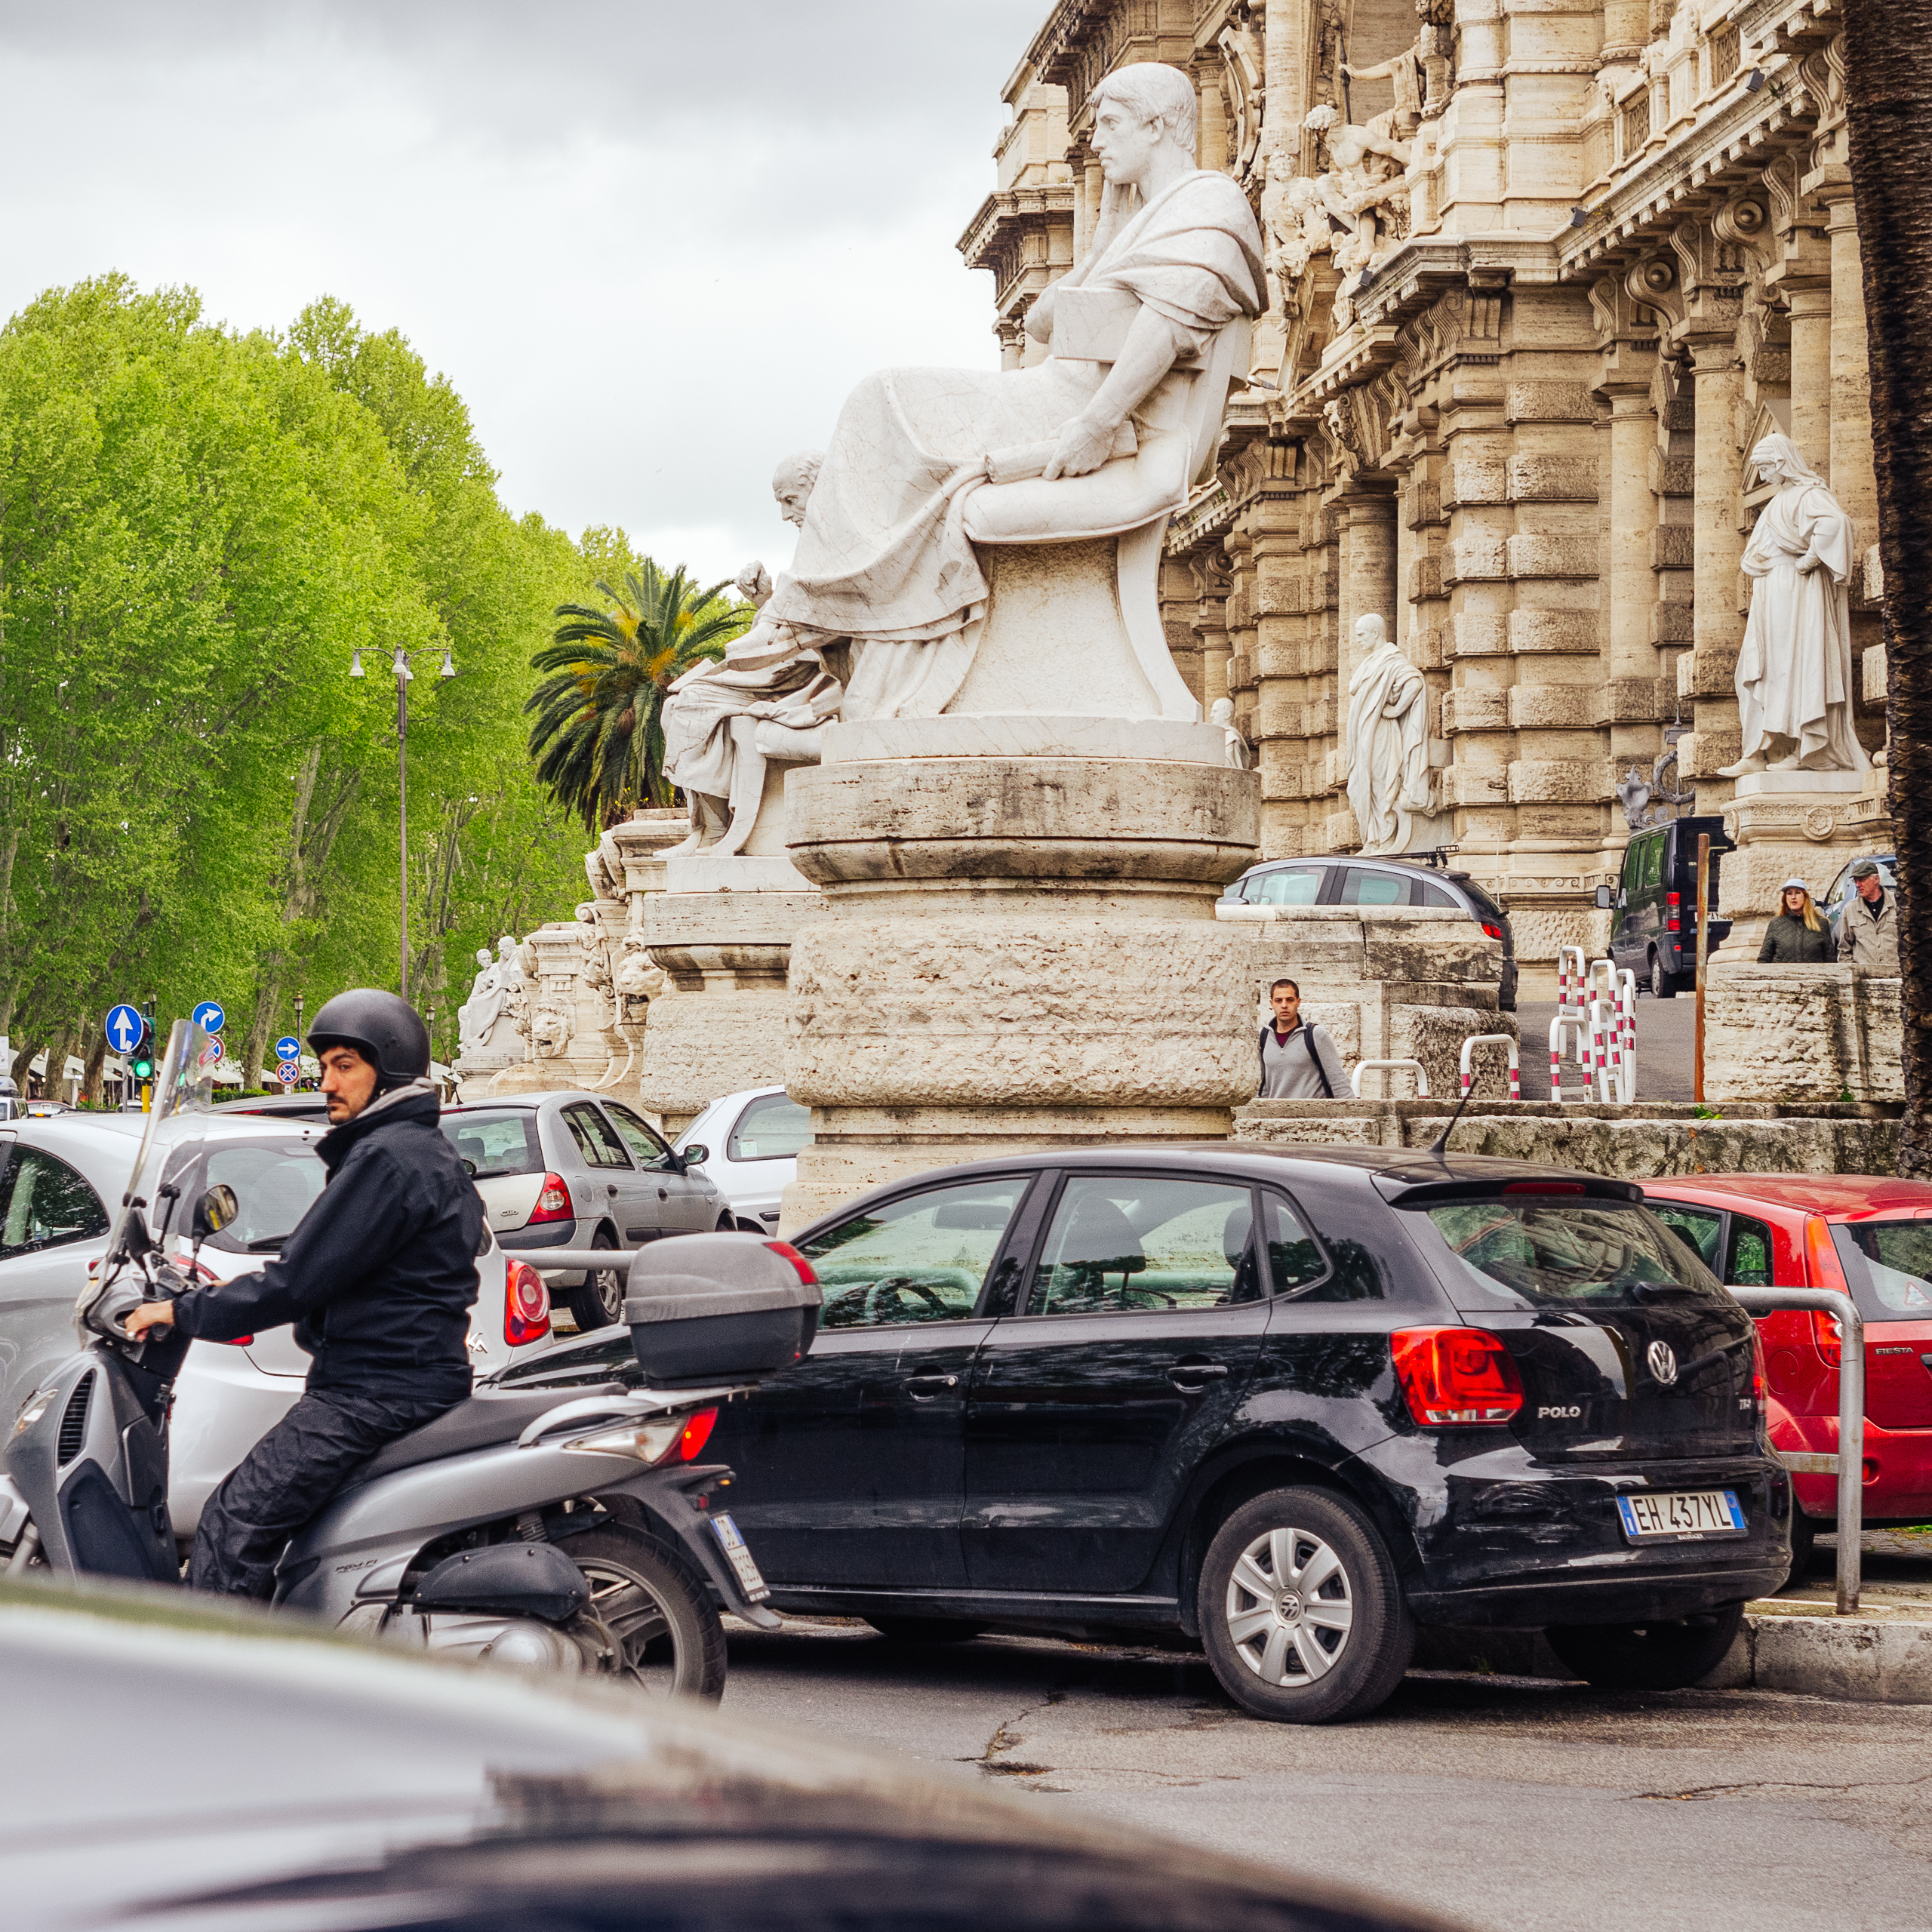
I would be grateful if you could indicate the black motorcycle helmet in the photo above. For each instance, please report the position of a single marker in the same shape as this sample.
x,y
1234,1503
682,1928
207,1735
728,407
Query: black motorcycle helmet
x,y
386,1031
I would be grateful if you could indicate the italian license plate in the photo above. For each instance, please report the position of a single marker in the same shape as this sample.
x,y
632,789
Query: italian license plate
x,y
1685,1516
732,1543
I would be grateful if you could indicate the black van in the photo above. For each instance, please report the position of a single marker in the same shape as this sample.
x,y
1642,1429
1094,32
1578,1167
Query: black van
x,y
1655,931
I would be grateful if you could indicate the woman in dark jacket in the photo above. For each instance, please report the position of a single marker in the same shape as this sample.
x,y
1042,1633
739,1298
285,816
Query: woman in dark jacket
x,y
1798,936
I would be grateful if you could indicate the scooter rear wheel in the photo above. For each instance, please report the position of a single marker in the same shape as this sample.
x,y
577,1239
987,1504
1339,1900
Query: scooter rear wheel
x,y
657,1608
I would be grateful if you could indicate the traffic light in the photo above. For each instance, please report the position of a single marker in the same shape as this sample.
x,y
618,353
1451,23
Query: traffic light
x,y
142,1065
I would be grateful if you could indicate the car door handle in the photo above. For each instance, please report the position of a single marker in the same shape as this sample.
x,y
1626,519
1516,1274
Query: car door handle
x,y
1189,1376
920,1386
611,1187
663,1194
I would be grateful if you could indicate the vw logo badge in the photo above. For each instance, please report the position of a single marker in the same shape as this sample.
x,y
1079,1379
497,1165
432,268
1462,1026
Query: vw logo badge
x,y
1662,1359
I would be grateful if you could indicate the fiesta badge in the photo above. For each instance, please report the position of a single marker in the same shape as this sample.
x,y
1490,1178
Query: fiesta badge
x,y
1662,1359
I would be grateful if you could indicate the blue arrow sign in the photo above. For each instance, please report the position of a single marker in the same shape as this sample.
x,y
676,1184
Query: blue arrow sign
x,y
209,1017
124,1029
288,1047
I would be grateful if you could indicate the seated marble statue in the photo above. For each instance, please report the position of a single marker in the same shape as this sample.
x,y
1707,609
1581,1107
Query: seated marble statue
x,y
1092,441
766,700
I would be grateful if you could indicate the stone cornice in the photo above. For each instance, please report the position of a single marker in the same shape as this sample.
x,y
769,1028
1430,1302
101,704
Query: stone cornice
x,y
1023,207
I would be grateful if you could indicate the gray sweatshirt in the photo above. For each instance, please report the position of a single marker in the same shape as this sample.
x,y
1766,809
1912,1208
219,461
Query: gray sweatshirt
x,y
1288,1070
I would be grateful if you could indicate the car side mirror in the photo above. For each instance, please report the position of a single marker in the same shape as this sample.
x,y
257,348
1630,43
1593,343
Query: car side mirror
x,y
216,1209
695,1156
1604,900
469,1168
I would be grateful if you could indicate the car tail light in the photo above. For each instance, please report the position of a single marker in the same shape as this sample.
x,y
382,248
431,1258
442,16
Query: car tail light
x,y
1822,1270
526,1306
553,1201
1456,1376
1493,931
696,1434
1672,902
1759,1381
1545,1187
1828,1333
806,1274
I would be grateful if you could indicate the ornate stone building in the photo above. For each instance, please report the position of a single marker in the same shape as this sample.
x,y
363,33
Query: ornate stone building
x,y
1541,272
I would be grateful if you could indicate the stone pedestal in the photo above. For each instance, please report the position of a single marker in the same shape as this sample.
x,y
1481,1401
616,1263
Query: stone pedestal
x,y
1388,983
1801,1033
1018,948
719,1028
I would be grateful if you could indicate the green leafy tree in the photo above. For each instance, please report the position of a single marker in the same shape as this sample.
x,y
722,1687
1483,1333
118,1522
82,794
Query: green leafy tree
x,y
599,737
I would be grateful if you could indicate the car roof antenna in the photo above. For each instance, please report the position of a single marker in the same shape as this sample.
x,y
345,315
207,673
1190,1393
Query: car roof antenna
x,y
1441,1147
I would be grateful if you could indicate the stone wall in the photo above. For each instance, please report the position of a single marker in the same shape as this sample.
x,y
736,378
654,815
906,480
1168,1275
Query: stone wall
x,y
1801,1033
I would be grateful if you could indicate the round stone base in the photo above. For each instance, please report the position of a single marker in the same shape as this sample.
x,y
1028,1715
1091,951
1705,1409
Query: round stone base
x,y
699,1046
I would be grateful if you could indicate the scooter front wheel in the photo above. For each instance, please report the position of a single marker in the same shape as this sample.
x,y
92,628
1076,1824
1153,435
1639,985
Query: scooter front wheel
x,y
657,1609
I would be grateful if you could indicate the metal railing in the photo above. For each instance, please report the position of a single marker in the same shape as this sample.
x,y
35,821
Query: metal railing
x,y
595,1260
1848,1465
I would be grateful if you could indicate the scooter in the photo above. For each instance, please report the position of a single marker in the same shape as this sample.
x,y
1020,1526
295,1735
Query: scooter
x,y
568,1529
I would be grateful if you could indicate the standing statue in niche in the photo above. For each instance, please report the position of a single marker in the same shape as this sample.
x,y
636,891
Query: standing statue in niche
x,y
1794,672
1234,746
1388,740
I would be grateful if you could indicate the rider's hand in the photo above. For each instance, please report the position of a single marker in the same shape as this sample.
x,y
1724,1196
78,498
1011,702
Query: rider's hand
x,y
1083,446
149,1314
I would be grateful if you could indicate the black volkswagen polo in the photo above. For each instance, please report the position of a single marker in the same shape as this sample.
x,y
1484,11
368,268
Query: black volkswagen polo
x,y
1292,1402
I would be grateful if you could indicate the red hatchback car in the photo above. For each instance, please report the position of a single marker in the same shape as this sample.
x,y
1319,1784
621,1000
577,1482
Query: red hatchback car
x,y
1865,1233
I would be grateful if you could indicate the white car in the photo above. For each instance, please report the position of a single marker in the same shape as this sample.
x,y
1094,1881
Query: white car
x,y
60,1179
750,1143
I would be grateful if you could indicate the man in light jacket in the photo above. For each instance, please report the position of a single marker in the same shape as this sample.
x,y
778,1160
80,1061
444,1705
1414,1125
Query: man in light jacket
x,y
1869,926
1299,1059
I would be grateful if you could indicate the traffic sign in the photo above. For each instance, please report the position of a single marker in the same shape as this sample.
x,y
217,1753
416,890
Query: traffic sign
x,y
288,1047
209,1017
288,1073
125,1027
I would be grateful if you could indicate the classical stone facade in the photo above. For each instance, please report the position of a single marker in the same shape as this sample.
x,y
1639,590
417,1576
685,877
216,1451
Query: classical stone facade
x,y
1541,273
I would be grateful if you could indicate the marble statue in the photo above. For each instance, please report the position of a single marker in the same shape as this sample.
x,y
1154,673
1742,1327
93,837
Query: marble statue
x,y
768,699
638,981
927,464
1793,671
1388,748
1222,713
477,1015
1297,228
1363,186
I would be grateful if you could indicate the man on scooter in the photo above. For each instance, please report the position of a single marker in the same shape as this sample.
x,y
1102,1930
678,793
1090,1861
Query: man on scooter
x,y
378,1277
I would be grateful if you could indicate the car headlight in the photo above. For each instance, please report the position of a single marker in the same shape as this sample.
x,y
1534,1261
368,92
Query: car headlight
x,y
37,1405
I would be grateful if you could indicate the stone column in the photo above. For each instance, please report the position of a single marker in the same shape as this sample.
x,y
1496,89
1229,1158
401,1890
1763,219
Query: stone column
x,y
993,886
1853,479
1717,628
1632,584
1811,305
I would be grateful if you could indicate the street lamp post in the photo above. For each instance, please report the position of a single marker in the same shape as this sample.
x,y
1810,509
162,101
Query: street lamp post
x,y
404,677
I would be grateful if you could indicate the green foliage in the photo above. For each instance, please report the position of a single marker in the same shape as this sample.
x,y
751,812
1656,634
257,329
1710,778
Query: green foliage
x,y
599,737
197,528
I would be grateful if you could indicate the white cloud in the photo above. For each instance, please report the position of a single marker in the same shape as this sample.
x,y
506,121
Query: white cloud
x,y
652,244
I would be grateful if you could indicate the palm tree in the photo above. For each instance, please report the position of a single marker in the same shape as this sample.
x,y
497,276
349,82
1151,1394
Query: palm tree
x,y
1888,119
599,737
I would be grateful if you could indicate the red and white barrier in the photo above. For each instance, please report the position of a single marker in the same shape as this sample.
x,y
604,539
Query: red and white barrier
x,y
1503,1040
1597,1001
1362,1067
1557,1027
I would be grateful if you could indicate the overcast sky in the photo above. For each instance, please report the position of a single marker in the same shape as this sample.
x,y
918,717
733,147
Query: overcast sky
x,y
651,242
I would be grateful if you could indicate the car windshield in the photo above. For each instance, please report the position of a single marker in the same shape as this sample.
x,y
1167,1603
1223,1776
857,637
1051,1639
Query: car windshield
x,y
496,1143
1532,1253
1888,1265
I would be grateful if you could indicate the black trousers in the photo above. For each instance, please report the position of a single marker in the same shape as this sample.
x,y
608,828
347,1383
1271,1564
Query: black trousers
x,y
285,1479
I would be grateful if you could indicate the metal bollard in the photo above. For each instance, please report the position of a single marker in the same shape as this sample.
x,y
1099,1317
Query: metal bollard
x,y
1362,1067
1849,1463
1475,1040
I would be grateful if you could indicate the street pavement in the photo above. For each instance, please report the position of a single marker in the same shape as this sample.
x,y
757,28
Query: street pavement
x,y
1499,1802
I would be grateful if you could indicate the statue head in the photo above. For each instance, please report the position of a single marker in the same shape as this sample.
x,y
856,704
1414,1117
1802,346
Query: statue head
x,y
1776,460
1301,192
483,957
1221,711
506,948
792,483
1138,110
1371,632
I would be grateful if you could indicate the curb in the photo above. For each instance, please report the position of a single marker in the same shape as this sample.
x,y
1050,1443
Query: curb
x,y
1872,1660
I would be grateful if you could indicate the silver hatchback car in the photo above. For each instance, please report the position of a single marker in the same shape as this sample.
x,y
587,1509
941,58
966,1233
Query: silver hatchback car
x,y
581,1170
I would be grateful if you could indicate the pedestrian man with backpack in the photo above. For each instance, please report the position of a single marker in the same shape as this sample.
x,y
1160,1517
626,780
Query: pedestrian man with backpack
x,y
1299,1059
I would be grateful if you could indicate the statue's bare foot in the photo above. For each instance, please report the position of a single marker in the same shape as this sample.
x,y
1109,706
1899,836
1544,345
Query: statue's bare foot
x,y
1744,767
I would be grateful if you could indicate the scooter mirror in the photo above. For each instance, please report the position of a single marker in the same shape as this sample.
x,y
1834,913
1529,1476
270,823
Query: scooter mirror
x,y
216,1209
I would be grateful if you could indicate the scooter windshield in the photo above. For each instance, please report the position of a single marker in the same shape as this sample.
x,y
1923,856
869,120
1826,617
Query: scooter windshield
x,y
183,1083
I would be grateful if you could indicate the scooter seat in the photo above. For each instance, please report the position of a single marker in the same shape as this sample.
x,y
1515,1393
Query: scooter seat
x,y
480,1422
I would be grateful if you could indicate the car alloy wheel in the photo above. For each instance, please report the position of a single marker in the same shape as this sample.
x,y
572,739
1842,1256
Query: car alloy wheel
x,y
1289,1608
1301,1610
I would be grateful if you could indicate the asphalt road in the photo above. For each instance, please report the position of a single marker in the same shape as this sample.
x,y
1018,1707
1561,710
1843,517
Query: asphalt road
x,y
1666,1046
1504,1803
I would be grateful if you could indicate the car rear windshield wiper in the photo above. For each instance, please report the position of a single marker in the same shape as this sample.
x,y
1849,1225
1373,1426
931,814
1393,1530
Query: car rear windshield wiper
x,y
265,1244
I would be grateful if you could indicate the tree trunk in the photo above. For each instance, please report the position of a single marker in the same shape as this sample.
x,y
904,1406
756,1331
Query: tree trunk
x,y
1888,124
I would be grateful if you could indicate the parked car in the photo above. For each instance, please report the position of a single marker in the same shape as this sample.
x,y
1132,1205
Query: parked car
x,y
279,1106
59,1180
748,1144
313,1781
1832,904
1350,882
1871,1234
1290,1402
1654,934
581,1170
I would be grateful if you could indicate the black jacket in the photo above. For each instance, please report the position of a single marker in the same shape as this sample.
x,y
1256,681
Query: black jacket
x,y
1789,941
379,1275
